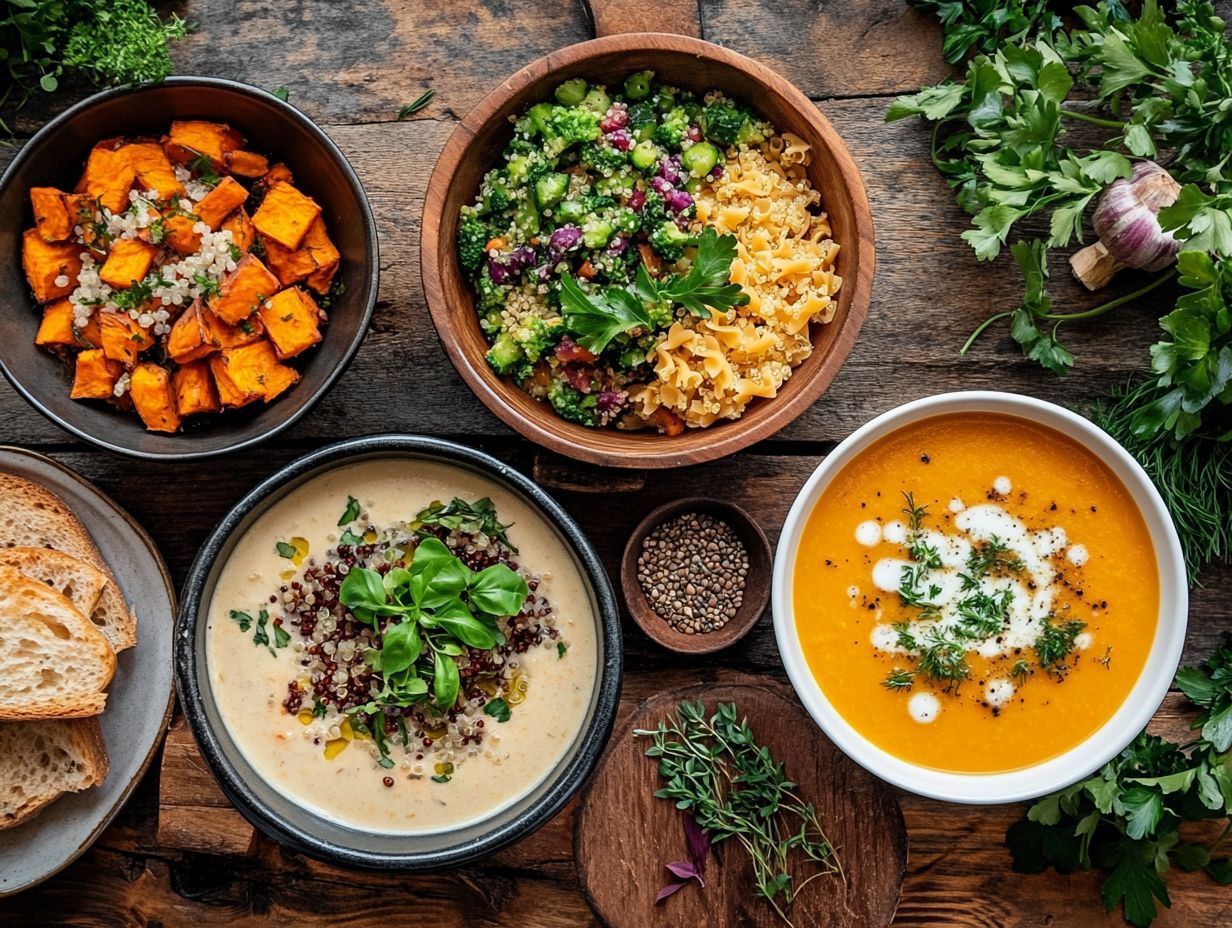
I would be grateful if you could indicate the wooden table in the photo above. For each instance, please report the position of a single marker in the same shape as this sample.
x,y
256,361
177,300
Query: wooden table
x,y
349,66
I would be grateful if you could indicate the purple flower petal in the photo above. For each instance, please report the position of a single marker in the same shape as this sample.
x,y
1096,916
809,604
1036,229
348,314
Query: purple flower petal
x,y
667,891
698,841
682,869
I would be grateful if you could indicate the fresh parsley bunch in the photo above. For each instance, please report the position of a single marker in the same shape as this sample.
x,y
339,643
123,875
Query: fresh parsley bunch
x,y
99,41
1127,818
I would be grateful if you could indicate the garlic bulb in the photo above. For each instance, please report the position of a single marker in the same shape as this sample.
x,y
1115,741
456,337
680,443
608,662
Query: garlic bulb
x,y
1128,228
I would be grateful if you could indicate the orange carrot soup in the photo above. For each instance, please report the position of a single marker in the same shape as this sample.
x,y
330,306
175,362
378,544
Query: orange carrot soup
x,y
976,593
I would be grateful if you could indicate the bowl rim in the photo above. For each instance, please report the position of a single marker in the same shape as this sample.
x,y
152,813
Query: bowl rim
x,y
570,775
1081,759
578,442
371,240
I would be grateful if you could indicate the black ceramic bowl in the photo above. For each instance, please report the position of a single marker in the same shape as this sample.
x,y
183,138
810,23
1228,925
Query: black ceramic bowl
x,y
291,824
55,157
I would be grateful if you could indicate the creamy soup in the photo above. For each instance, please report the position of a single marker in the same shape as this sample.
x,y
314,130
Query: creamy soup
x,y
289,667
976,593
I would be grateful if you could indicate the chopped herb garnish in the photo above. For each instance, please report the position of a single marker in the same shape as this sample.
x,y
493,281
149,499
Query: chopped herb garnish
x,y
441,778
283,93
207,286
417,104
1056,643
202,168
461,516
561,648
498,709
281,637
236,254
242,618
351,513
285,550
385,762
261,636
350,538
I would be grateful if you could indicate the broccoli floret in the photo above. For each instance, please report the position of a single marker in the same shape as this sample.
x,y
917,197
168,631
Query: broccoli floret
x,y
661,314
495,193
728,125
654,211
472,237
504,353
491,295
669,240
637,86
566,126
518,146
671,130
593,203
491,322
634,354
603,157
642,120
573,92
522,371
536,337
572,404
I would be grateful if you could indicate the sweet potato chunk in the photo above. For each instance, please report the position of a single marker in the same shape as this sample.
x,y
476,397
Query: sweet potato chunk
x,y
50,214
285,215
243,290
189,139
57,325
152,170
151,391
290,267
324,255
221,201
278,174
254,369
240,227
220,334
45,263
128,263
230,393
188,339
194,389
96,375
83,212
292,320
122,339
245,163
108,178
178,234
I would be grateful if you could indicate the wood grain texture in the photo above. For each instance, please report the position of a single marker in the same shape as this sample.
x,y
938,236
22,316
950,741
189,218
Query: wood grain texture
x,y
624,835
475,146
613,17
349,66
193,813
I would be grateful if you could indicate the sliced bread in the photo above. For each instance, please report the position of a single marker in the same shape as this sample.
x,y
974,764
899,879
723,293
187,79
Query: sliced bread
x,y
41,761
34,517
53,662
81,582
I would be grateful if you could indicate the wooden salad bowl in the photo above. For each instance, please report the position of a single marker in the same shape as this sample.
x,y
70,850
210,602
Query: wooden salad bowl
x,y
474,148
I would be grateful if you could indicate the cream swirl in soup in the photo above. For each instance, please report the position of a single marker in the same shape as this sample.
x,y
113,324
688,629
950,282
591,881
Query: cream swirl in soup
x,y
430,726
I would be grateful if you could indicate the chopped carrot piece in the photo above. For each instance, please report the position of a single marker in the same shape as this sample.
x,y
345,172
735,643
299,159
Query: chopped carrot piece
x,y
245,163
151,168
57,325
194,389
122,339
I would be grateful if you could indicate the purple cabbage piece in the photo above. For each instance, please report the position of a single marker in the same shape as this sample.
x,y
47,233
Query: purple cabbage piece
x,y
610,400
637,199
617,245
669,169
617,117
677,200
620,139
564,238
503,272
660,185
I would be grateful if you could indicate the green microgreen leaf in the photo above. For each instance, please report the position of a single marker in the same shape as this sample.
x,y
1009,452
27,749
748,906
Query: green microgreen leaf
x,y
285,550
417,104
498,709
351,513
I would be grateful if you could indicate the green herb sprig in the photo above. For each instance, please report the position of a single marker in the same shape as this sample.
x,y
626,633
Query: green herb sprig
x,y
1127,818
714,769
439,607
461,516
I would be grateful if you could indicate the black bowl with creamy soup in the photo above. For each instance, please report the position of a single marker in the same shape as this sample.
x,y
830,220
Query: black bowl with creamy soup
x,y
280,679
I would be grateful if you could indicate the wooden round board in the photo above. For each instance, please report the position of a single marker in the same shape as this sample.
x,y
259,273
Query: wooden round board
x,y
139,698
624,836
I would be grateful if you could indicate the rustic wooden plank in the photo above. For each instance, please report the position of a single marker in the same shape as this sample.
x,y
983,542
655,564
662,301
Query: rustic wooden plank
x,y
193,812
613,17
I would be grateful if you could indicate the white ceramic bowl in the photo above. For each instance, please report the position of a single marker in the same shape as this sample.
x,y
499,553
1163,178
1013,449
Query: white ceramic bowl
x,y
1085,757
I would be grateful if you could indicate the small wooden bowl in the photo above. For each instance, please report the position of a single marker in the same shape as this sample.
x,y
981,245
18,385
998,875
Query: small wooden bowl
x,y
756,583
475,146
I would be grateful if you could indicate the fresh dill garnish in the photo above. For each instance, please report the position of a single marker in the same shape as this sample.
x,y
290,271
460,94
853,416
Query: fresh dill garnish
x,y
417,104
1056,643
1020,671
899,679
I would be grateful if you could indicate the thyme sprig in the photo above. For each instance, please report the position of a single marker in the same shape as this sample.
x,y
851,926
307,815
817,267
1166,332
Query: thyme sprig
x,y
714,768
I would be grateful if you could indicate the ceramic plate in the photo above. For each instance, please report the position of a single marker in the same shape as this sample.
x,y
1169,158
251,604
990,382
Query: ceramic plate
x,y
139,700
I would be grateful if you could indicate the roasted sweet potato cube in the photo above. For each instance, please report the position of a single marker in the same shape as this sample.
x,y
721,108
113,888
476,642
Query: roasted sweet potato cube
x,y
278,174
128,263
230,393
152,169
290,267
154,399
242,232
178,234
285,215
189,339
194,389
219,203
219,334
324,254
189,139
50,214
122,339
95,376
243,290
92,335
255,369
83,212
57,325
108,178
245,163
292,320
51,267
